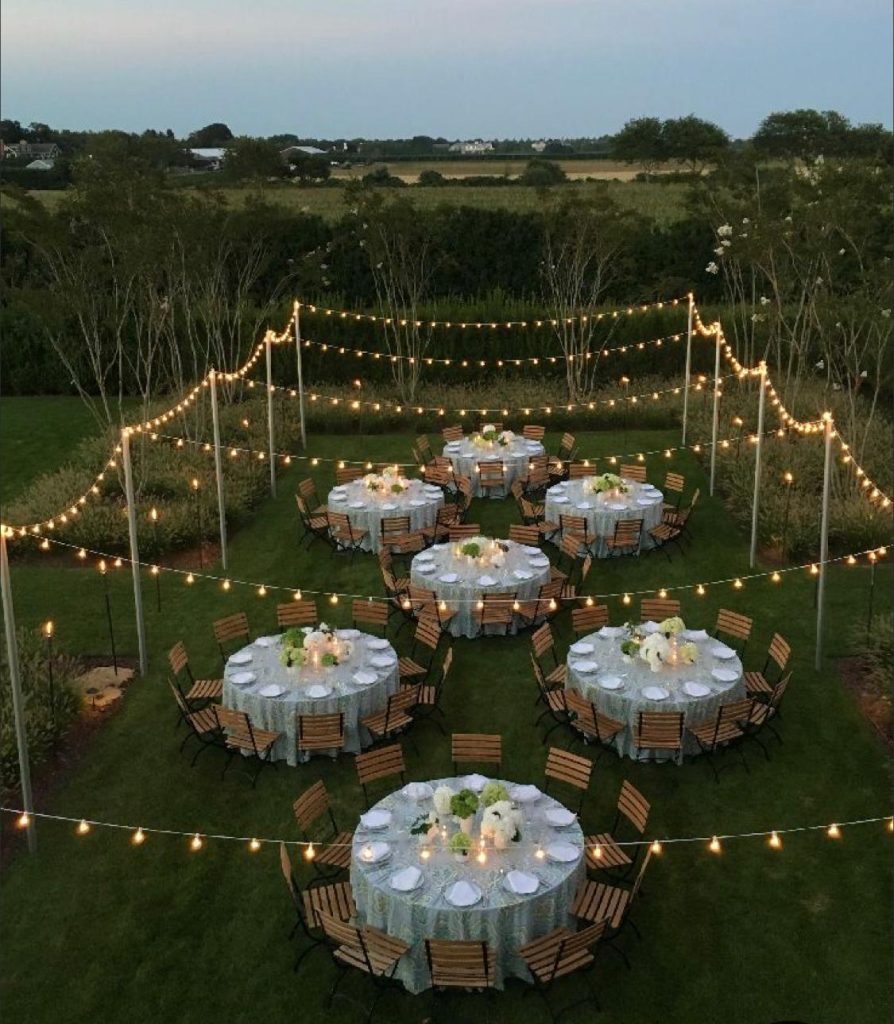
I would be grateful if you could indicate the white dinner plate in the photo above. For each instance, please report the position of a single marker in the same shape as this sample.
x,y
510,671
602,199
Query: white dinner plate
x,y
530,550
584,505
475,782
610,682
271,690
562,853
649,627
382,661
240,658
266,641
616,506
524,794
378,643
694,634
242,678
424,556
449,577
560,499
696,689
585,667
425,568
418,503
655,693
364,678
521,883
348,634
725,675
406,880
560,817
374,853
389,506
375,819
417,791
611,632
338,497
581,648
723,652
539,563
318,691
487,581
522,574
356,504
645,501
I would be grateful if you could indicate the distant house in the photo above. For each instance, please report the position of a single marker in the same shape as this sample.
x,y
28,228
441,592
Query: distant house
x,y
539,146
306,150
40,165
32,150
475,146
210,157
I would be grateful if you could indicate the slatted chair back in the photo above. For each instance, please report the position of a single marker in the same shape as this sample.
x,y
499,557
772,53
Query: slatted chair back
x,y
347,939
528,535
440,476
778,691
238,725
627,533
418,458
491,474
303,510
656,609
537,478
347,474
640,875
578,470
340,522
585,567
297,613
454,433
393,528
423,602
463,531
537,462
311,806
661,730
517,490
370,614
582,711
562,952
634,472
569,546
571,769
382,763
424,447
230,630
321,732
566,447
464,492
428,631
734,625
589,619
543,642
308,491
460,963
549,597
178,659
727,722
633,806
531,512
533,432
285,864
477,747
674,483
779,653
447,515
185,710
575,525
495,609
386,558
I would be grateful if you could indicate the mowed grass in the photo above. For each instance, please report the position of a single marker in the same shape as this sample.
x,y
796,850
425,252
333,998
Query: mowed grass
x,y
662,203
94,928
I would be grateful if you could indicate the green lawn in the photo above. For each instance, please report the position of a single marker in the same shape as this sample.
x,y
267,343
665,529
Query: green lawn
x,y
96,929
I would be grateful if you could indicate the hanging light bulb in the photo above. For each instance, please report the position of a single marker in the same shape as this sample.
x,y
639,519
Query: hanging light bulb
x,y
83,827
714,846
195,844
656,847
774,841
833,831
139,837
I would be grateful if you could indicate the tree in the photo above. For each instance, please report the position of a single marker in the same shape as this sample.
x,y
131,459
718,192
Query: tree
x,y
431,179
641,141
542,174
249,158
211,136
11,131
801,134
693,141
308,167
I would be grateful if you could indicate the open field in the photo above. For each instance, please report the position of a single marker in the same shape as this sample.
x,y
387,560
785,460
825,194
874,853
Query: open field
x,y
94,928
409,170
663,203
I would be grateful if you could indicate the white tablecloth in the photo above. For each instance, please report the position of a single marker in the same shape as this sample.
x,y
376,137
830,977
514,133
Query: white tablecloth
x,y
462,594
465,457
624,704
366,509
570,499
502,918
281,713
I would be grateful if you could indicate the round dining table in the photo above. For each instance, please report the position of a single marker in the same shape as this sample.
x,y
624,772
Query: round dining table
x,y
465,455
604,511
256,682
366,509
621,687
460,582
416,889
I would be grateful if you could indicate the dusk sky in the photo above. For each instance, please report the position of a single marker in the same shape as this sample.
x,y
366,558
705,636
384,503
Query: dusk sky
x,y
458,68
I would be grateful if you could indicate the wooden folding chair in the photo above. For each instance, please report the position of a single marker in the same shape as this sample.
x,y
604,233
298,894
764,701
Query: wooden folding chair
x,y
241,737
527,535
674,485
633,472
198,689
416,666
297,613
733,627
723,732
202,724
315,527
454,433
424,447
578,528
610,851
553,698
463,531
764,713
395,718
495,611
588,619
346,535
308,491
533,432
571,770
590,724
547,603
430,695
395,535
559,463
466,964
369,615
543,645
383,763
626,539
231,632
347,474
321,733
537,478
334,898
659,730
560,953
491,476
331,854
578,470
657,609
476,747
445,517
761,683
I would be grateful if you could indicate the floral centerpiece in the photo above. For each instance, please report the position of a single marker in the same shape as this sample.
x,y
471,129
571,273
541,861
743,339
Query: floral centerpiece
x,y
293,654
483,550
501,822
463,806
604,483
389,481
426,827
670,627
460,844
630,645
492,793
489,436
441,799
655,650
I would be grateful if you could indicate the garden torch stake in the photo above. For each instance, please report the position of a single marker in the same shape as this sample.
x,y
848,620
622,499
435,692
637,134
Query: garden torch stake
x,y
716,421
758,451
18,710
300,375
134,551
872,561
48,636
688,368
270,437
218,468
829,430
156,551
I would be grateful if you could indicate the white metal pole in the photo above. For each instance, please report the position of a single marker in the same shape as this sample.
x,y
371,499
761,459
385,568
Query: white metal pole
x,y
134,550
824,540
718,334
758,451
270,433
18,708
688,367
218,467
300,375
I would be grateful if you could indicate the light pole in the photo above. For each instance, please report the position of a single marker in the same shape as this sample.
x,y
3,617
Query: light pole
x,y
788,479
194,484
153,518
103,571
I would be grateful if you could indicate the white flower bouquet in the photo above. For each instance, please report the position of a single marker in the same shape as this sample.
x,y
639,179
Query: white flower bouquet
x,y
442,797
654,650
501,822
688,653
671,626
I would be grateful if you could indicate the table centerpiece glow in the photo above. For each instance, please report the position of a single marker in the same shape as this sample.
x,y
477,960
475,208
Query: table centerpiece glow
x,y
318,647
463,806
483,550
501,822
388,482
460,844
605,483
489,437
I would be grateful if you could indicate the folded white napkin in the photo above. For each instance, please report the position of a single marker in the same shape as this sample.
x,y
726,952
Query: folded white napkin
x,y
271,690
645,501
348,634
418,503
560,817
242,678
560,499
318,690
372,853
522,883
266,641
524,794
463,894
649,627
564,853
378,643
585,504
356,504
616,506
723,652
696,689
382,661
475,782
240,658
610,632
725,675
449,577
389,506
581,648
375,819
584,666
522,574
417,791
530,550
424,556
338,497
364,678
425,567
541,562
610,682
406,880
486,581
694,634
655,693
